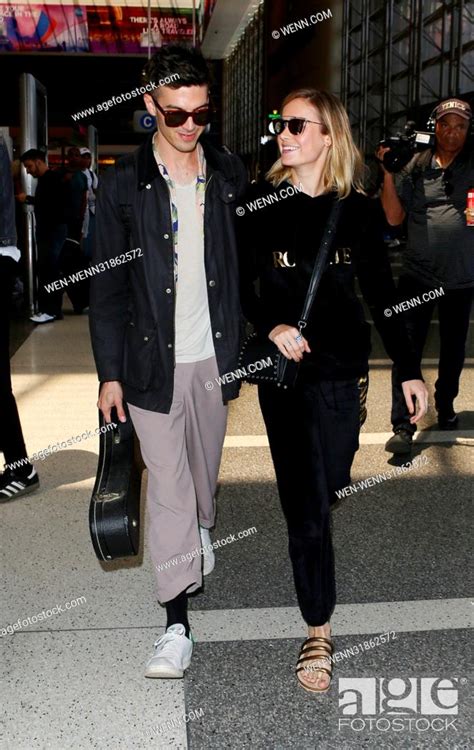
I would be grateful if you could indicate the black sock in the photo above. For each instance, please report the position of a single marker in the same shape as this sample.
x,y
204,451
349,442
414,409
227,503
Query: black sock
x,y
177,612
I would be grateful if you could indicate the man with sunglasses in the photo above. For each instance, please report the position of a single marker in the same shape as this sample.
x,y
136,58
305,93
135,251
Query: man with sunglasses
x,y
432,195
166,324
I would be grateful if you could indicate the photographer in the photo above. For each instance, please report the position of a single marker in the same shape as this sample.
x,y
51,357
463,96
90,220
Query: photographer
x,y
431,193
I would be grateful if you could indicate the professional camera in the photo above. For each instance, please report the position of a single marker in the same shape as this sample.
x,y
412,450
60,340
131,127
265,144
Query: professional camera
x,y
404,145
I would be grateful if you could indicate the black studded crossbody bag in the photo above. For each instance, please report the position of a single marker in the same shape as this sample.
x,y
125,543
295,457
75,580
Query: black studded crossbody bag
x,y
260,358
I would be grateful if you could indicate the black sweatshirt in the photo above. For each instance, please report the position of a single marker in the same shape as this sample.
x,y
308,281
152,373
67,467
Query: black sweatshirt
x,y
278,244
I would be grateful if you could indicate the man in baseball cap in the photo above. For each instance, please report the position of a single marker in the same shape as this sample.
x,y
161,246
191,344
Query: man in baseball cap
x,y
431,193
453,107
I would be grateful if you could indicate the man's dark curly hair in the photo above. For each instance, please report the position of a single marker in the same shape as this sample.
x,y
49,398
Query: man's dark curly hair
x,y
186,62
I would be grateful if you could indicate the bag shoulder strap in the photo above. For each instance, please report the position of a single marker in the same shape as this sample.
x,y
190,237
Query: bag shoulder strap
x,y
124,171
320,262
418,164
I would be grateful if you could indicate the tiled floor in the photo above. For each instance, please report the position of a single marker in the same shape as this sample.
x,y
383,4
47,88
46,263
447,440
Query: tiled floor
x,y
75,680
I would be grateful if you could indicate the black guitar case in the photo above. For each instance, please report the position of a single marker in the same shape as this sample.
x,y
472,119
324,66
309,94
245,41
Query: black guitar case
x,y
114,512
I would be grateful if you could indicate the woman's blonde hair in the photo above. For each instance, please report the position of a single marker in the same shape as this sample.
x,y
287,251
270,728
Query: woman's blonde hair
x,y
344,167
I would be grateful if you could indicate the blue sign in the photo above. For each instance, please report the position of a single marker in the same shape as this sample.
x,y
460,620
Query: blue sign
x,y
143,122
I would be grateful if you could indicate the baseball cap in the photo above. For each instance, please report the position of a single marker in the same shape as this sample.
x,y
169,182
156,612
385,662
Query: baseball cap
x,y
84,150
453,107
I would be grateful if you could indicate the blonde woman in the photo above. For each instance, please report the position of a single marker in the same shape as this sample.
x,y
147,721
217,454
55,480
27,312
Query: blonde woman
x,y
313,428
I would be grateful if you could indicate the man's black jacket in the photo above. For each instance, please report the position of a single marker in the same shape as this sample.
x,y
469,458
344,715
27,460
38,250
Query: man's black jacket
x,y
132,305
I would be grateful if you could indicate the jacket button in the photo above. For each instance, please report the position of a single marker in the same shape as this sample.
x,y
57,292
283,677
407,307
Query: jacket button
x,y
166,236
168,291
145,338
148,187
212,282
218,335
230,195
170,346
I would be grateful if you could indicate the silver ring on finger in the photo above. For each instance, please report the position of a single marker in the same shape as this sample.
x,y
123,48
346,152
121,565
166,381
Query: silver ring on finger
x,y
298,338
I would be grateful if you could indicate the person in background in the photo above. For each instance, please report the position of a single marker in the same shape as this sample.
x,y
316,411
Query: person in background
x,y
432,195
19,477
51,230
75,178
88,228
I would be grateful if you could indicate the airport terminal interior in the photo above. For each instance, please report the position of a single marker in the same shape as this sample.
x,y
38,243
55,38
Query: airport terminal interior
x,y
77,629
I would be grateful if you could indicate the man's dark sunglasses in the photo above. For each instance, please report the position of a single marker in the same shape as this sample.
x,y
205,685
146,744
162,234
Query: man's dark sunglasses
x,y
176,117
295,125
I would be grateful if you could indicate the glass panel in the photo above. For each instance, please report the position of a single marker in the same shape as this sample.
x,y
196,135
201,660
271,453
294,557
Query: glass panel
x,y
432,39
431,83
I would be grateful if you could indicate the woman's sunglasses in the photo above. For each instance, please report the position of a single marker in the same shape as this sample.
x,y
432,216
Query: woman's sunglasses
x,y
295,125
176,117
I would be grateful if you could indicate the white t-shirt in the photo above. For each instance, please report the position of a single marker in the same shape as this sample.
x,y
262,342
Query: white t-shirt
x,y
193,334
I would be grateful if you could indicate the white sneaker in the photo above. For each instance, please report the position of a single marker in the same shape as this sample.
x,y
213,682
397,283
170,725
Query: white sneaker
x,y
208,556
42,318
172,654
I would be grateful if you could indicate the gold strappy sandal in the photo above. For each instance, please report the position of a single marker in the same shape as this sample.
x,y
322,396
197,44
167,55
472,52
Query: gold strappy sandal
x,y
321,652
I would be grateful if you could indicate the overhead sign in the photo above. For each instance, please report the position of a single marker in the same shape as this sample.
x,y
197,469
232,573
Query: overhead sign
x,y
143,122
89,28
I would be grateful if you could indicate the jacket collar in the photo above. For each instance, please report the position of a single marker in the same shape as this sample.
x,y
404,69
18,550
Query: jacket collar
x,y
147,168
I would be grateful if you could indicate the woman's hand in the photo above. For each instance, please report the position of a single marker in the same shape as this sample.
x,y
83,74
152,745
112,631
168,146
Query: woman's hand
x,y
290,341
418,389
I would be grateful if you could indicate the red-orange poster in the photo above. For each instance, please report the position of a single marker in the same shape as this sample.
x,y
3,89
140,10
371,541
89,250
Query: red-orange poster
x,y
118,29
